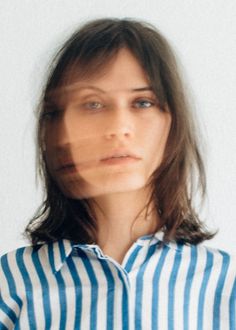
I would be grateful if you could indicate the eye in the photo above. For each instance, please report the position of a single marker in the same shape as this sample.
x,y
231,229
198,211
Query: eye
x,y
93,105
50,115
144,103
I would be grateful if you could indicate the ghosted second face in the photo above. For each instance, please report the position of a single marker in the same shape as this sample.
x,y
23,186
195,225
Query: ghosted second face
x,y
110,135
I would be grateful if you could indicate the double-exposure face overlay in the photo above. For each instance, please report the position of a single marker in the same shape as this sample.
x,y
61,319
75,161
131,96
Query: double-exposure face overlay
x,y
110,134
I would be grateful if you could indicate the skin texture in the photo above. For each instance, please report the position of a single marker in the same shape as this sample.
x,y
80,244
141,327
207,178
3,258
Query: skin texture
x,y
103,114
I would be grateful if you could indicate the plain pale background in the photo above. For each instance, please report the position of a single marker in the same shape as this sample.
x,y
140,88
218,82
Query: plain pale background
x,y
203,34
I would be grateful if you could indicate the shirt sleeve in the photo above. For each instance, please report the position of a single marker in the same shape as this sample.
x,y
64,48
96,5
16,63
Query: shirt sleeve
x,y
9,307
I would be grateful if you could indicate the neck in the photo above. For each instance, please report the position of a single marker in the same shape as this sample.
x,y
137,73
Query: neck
x,y
124,217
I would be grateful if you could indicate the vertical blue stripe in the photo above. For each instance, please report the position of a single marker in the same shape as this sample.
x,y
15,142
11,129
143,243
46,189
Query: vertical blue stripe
x,y
155,286
171,286
62,250
28,288
61,288
188,285
139,288
232,308
45,290
94,290
110,295
129,264
110,285
219,289
10,281
123,276
51,257
17,325
78,293
201,299
125,297
7,310
125,303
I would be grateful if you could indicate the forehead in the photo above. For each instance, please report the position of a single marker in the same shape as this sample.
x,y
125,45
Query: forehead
x,y
121,73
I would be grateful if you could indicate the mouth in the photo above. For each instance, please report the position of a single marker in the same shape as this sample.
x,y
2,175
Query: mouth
x,y
119,160
116,157
120,154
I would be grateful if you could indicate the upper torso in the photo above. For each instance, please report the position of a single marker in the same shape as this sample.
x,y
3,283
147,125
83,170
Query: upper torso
x,y
67,286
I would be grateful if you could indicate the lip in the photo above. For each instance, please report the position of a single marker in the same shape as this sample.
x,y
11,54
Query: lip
x,y
68,166
119,153
119,161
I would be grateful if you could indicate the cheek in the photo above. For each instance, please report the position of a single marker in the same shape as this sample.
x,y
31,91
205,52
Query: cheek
x,y
155,138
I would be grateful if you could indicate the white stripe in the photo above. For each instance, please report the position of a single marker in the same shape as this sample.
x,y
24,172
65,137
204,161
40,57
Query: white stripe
x,y
86,290
70,297
147,290
36,286
196,287
53,288
102,292
210,290
180,286
226,292
163,290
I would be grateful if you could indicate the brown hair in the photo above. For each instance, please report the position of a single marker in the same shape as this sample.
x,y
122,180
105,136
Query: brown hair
x,y
181,170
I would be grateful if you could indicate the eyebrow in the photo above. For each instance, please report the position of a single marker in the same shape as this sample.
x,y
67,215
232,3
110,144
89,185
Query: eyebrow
x,y
140,89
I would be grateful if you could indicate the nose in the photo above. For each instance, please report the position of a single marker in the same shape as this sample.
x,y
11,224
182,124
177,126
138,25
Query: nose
x,y
120,124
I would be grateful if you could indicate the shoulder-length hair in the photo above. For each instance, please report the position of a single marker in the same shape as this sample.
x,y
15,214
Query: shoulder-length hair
x,y
181,172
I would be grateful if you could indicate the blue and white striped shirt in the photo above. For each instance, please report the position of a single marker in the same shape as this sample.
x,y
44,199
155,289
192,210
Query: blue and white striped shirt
x,y
75,286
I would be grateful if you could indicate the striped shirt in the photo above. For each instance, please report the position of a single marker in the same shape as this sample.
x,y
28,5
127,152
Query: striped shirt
x,y
62,285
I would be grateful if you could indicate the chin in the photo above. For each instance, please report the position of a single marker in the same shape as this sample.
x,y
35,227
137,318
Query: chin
x,y
81,190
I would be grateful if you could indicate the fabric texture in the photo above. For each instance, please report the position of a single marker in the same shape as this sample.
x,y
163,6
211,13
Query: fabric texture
x,y
62,285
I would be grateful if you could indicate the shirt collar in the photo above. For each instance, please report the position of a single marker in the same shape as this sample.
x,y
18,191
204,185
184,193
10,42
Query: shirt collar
x,y
60,250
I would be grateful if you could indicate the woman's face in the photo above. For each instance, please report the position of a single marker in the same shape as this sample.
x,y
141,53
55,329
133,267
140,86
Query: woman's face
x,y
110,135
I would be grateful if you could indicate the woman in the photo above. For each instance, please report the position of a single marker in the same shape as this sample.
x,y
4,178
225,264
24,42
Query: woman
x,y
116,243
